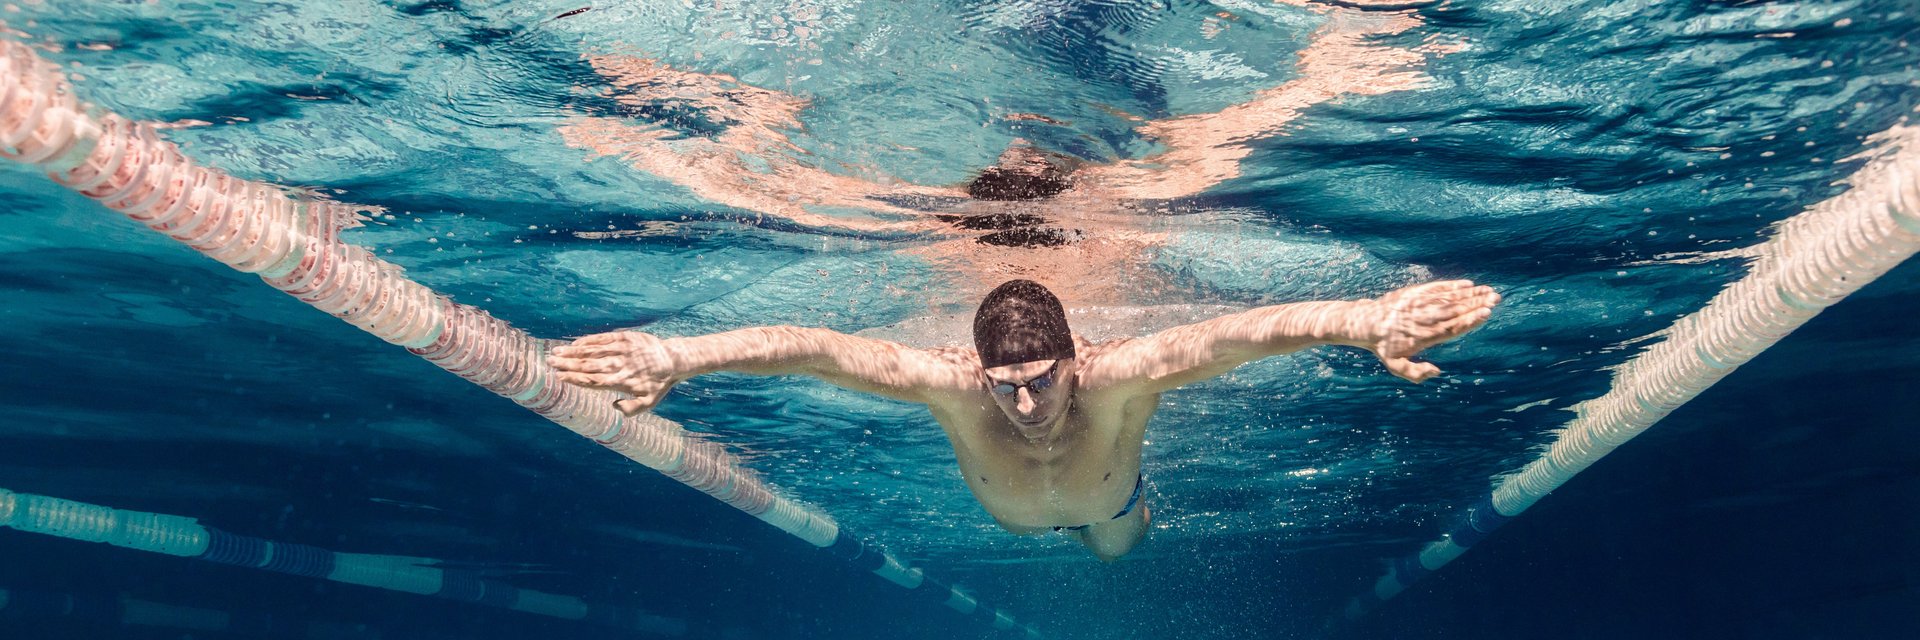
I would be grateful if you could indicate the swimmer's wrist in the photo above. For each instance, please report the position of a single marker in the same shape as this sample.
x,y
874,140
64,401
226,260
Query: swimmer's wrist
x,y
1300,325
750,350
1358,323
668,354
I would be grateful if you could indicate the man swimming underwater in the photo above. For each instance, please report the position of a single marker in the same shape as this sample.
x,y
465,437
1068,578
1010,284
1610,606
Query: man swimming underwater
x,y
1047,427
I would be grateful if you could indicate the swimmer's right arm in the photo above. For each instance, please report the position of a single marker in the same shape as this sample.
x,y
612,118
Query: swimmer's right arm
x,y
1395,327
646,366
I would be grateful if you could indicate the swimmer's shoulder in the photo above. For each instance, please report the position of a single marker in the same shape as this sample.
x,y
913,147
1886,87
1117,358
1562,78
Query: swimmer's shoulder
x,y
1090,353
960,376
1100,371
958,357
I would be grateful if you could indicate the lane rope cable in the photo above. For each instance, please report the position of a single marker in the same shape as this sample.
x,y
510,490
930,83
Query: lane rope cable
x,y
1812,260
186,537
293,244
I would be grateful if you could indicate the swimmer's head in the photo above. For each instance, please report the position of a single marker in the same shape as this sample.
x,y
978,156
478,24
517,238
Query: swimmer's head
x,y
1021,321
1022,173
1028,354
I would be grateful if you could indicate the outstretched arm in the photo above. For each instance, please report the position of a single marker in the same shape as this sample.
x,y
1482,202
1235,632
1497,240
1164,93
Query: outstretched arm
x,y
1394,326
646,366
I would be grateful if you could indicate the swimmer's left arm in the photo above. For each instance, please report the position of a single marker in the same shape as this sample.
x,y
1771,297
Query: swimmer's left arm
x,y
1394,326
646,367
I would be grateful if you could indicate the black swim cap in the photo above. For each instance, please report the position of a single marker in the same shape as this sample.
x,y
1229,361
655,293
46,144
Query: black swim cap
x,y
997,183
1021,321
1022,173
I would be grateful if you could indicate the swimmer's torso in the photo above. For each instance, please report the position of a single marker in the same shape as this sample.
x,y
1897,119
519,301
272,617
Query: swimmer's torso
x,y
1083,477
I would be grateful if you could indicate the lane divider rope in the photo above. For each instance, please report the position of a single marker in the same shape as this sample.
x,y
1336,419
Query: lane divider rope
x,y
293,244
1812,260
128,611
186,537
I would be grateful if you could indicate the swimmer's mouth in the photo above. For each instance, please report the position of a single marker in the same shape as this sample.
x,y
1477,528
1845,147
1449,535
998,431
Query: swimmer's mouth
x,y
1034,431
1039,422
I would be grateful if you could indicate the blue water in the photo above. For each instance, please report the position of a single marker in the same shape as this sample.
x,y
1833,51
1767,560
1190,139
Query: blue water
x,y
1599,163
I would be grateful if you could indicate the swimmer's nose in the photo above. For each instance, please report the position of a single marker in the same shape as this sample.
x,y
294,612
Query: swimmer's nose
x,y
1026,403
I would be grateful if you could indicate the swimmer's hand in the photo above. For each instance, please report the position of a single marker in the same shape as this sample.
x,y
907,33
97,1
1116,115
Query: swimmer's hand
x,y
625,361
1411,319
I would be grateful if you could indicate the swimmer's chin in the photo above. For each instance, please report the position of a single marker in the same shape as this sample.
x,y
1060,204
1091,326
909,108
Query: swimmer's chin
x,y
1036,431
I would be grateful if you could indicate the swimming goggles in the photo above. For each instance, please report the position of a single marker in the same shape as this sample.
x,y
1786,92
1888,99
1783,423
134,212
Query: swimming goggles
x,y
1038,383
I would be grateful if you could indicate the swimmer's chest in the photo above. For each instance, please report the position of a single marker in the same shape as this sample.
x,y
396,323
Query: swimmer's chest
x,y
1084,478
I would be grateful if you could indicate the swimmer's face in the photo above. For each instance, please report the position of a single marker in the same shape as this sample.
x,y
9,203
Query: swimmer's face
x,y
1034,395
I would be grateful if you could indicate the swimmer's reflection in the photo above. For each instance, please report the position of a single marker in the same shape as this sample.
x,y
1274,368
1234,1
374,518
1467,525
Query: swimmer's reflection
x,y
751,163
1022,173
1033,213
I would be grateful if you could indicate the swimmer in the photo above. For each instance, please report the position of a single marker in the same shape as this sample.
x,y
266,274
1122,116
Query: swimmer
x,y
754,164
1022,174
1047,426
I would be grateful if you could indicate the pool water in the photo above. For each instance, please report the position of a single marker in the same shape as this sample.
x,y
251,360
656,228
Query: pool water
x,y
691,167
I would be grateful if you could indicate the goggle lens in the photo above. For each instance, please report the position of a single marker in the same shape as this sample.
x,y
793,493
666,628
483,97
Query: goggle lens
x,y
1037,384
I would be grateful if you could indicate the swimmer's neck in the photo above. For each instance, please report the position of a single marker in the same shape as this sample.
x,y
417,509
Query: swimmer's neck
x,y
1053,443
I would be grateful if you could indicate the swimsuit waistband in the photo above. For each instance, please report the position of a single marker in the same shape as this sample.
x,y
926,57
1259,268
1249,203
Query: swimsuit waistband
x,y
1132,501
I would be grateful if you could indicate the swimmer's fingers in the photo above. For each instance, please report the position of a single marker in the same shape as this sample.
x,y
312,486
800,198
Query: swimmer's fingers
x,y
1452,299
635,406
1430,292
587,365
1464,299
611,337
618,341
1470,311
1446,286
1468,322
1436,334
1430,314
645,396
576,365
1416,372
591,350
596,380
1424,303
1466,316
1474,299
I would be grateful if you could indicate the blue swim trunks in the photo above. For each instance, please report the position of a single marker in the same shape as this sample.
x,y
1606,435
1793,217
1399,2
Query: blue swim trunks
x,y
1132,500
